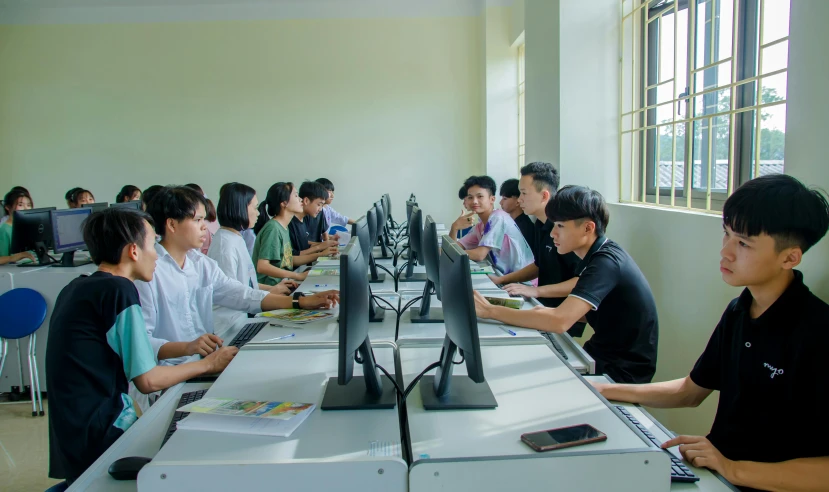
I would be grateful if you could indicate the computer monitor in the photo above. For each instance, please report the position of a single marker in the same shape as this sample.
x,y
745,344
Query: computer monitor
x,y
32,231
387,206
415,245
360,229
382,237
371,218
443,391
409,205
136,204
67,234
347,392
430,253
96,207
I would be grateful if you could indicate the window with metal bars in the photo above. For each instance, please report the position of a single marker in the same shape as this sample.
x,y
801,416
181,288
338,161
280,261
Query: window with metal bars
x,y
703,98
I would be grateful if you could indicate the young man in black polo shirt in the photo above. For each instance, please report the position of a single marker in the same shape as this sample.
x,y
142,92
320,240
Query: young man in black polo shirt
x,y
509,204
538,184
610,291
313,196
767,355
98,344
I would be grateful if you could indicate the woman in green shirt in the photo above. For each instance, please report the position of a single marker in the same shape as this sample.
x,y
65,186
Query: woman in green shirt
x,y
272,252
16,199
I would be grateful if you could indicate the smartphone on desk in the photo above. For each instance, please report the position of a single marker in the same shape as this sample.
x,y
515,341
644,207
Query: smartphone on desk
x,y
564,437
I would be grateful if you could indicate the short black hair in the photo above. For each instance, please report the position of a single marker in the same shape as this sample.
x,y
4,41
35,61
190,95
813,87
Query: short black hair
x,y
544,176
579,203
107,232
271,206
177,203
780,206
232,211
126,193
462,193
327,183
16,193
482,181
149,194
509,188
313,190
75,193
210,209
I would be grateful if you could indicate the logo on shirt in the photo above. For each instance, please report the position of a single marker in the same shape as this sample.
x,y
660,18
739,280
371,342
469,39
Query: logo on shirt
x,y
549,249
774,371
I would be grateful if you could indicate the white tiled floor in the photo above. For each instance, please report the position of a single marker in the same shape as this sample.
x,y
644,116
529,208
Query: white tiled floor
x,y
24,449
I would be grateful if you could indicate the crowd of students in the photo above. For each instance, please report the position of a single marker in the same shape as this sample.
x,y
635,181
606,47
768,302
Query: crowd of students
x,y
168,274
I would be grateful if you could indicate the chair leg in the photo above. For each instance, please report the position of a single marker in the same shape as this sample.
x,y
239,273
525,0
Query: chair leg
x,y
33,343
4,349
32,381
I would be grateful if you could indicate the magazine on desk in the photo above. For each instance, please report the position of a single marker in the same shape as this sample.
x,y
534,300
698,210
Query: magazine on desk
x,y
268,418
296,316
324,272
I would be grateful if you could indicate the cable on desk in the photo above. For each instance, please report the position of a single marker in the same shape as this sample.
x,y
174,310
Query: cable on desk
x,y
391,308
417,379
396,386
400,315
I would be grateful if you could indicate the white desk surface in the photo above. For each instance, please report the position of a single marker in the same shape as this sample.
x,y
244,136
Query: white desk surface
x,y
288,374
709,481
332,282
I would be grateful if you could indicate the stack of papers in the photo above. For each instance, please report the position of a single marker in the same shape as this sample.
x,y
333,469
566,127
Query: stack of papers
x,y
324,272
264,418
479,269
296,316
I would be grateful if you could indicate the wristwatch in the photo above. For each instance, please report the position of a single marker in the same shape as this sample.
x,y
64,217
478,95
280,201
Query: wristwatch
x,y
296,295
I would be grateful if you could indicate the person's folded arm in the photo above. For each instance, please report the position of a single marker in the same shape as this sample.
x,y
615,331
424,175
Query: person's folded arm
x,y
556,320
678,393
264,267
562,289
526,274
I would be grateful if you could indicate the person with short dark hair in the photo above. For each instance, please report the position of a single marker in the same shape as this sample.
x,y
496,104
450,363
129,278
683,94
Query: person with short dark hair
x,y
766,355
509,204
149,194
209,219
537,186
178,302
610,291
128,193
331,215
463,198
313,196
78,197
496,237
16,199
98,344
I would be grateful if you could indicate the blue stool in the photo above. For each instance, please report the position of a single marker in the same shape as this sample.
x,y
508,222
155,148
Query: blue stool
x,y
22,311
58,487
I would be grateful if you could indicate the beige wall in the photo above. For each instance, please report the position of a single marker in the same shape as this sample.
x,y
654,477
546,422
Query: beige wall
x,y
376,105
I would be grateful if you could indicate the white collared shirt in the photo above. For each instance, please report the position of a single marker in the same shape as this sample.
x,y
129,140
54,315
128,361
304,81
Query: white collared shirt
x,y
229,251
178,302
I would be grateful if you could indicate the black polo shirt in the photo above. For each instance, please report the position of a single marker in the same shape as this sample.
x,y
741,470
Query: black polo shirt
x,y
553,268
623,315
771,375
316,227
525,225
299,236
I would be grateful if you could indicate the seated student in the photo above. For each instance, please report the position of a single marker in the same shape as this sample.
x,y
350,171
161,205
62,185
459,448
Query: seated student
x,y
98,344
495,237
149,194
209,219
463,198
16,199
313,196
766,355
538,184
76,197
238,211
247,234
331,215
272,252
509,204
178,302
128,193
5,214
610,291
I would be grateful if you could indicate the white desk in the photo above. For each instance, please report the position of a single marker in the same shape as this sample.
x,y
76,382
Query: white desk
x,y
332,282
479,282
708,480
329,450
482,450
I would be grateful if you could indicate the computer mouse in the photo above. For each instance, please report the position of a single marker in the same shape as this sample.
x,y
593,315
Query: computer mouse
x,y
127,468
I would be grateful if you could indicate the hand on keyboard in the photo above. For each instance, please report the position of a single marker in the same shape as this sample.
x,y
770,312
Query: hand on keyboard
x,y
204,345
699,451
218,360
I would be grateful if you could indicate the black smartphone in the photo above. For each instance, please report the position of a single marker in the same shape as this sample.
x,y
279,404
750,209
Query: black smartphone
x,y
564,437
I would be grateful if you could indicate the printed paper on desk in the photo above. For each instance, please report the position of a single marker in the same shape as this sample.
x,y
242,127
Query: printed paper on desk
x,y
296,316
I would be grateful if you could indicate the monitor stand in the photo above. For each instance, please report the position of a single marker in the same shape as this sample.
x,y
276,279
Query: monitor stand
x,y
375,313
43,258
68,261
415,277
354,396
433,315
464,394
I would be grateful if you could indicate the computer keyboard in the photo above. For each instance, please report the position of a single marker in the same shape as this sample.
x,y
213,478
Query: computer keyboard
x,y
186,399
679,472
555,344
249,331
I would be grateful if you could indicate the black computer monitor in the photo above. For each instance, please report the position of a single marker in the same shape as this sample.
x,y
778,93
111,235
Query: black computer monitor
x,y
382,237
409,205
347,392
387,206
67,234
430,253
415,245
443,391
32,231
360,229
371,218
96,207
136,204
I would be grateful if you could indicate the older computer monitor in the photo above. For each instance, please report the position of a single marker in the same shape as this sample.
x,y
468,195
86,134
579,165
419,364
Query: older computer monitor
x,y
360,229
371,218
430,252
382,233
32,231
347,392
136,204
415,244
443,391
67,234
96,207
